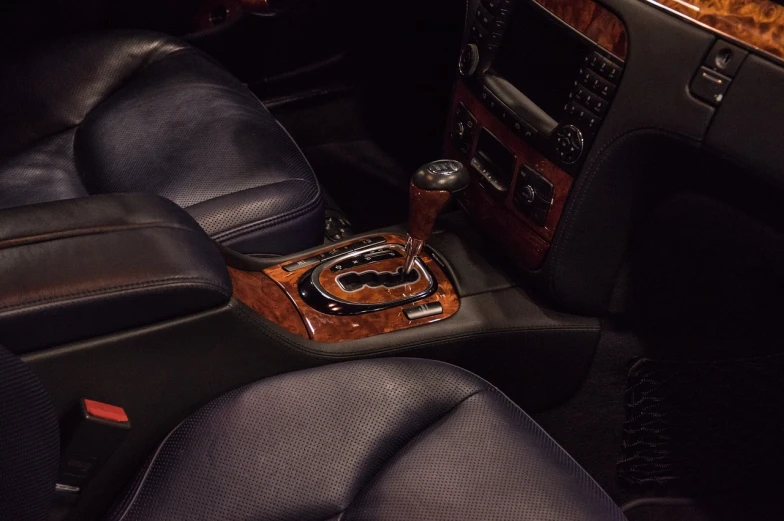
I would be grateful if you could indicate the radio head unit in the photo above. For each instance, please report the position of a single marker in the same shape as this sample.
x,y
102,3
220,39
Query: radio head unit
x,y
548,82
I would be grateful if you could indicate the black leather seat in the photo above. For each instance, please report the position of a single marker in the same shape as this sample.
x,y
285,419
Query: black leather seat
x,y
141,112
376,440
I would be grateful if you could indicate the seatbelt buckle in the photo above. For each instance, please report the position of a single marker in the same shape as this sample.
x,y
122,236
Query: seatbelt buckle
x,y
89,434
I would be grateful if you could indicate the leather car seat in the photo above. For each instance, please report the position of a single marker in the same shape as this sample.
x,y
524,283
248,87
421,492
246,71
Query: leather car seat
x,y
380,439
132,111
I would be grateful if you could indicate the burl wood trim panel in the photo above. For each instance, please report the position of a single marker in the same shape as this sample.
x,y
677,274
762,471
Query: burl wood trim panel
x,y
282,304
262,295
425,207
758,23
594,21
367,295
527,242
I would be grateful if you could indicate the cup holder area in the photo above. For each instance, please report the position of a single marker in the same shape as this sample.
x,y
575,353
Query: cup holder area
x,y
354,281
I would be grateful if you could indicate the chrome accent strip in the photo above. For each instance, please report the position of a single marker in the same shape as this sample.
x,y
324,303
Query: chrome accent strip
x,y
314,277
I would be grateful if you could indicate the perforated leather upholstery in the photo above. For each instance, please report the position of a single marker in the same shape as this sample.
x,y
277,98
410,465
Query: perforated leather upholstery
x,y
140,112
29,443
372,440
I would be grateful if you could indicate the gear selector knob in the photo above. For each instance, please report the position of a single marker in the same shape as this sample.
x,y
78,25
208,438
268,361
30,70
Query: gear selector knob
x,y
431,189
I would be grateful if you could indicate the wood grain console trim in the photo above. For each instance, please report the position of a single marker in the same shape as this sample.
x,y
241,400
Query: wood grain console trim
x,y
592,20
527,242
262,295
757,23
273,294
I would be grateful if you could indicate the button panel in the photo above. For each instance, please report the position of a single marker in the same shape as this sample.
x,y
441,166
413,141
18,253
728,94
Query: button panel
x,y
519,126
533,195
490,22
590,99
463,129
713,79
423,311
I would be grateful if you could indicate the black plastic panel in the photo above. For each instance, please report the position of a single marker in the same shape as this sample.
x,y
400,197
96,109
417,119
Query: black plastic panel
x,y
749,126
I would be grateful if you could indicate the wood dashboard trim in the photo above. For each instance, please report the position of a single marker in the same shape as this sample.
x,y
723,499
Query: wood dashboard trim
x,y
527,242
755,23
593,21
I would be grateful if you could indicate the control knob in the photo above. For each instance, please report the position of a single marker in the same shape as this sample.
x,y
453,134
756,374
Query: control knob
x,y
528,194
469,60
569,144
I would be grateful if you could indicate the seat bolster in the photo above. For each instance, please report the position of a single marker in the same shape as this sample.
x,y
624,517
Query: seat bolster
x,y
56,84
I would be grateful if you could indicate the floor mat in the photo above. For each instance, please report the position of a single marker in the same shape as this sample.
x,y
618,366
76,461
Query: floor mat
x,y
724,509
698,428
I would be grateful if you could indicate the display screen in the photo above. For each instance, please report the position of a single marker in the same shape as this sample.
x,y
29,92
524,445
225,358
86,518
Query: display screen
x,y
498,159
540,57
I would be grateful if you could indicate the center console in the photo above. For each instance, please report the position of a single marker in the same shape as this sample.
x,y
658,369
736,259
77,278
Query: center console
x,y
368,286
536,81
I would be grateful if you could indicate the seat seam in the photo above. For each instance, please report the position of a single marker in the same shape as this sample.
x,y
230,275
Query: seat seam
x,y
403,448
170,281
15,242
28,147
147,471
270,221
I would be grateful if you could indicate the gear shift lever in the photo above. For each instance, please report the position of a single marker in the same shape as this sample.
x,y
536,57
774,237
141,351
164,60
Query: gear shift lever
x,y
431,189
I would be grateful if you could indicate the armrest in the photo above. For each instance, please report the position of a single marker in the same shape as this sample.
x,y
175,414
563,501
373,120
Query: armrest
x,y
76,269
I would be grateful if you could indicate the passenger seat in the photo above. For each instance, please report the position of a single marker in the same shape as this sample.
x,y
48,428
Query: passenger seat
x,y
133,111
379,440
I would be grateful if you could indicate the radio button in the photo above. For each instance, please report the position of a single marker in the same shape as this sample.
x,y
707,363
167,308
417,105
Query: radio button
x,y
491,5
478,33
596,84
593,59
523,129
585,77
499,26
612,72
484,17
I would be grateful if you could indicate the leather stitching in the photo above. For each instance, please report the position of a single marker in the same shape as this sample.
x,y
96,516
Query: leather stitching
x,y
571,217
170,281
140,484
14,242
272,221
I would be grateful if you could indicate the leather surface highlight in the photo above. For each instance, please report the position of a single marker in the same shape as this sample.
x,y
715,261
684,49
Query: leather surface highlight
x,y
382,440
85,267
128,111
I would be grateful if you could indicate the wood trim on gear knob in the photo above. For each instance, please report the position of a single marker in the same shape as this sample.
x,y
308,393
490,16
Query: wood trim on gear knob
x,y
425,207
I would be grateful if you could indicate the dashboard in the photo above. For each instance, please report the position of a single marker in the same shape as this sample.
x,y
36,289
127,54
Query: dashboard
x,y
536,81
552,97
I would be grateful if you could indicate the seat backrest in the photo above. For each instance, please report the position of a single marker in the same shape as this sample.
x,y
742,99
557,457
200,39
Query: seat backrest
x,y
29,443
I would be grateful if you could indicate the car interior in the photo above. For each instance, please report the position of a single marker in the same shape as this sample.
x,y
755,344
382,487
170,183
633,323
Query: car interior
x,y
338,259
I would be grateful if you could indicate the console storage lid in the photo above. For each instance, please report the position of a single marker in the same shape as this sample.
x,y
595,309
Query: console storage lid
x,y
76,269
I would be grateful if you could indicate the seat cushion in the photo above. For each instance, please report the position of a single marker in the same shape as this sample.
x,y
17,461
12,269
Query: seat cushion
x,y
140,112
372,440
